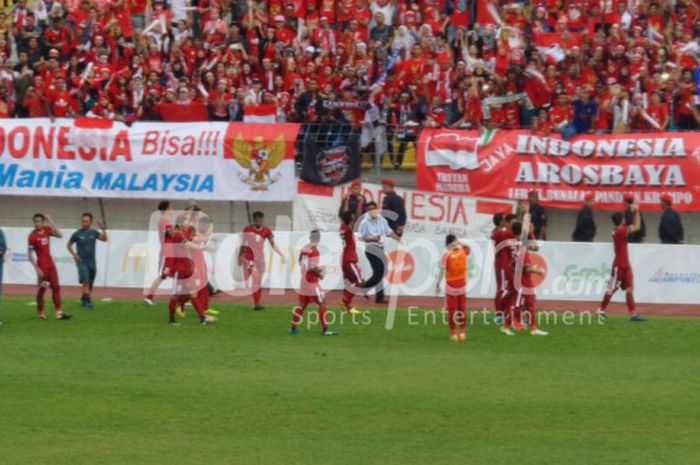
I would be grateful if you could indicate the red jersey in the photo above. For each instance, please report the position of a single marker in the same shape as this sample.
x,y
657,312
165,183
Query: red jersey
x,y
40,243
622,259
163,226
254,242
504,255
62,103
308,260
528,279
182,261
349,249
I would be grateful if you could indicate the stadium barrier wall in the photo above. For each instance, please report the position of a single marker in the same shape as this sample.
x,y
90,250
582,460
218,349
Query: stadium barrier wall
x,y
576,271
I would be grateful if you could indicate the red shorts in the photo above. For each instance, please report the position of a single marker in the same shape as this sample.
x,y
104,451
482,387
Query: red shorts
x,y
311,296
456,295
526,301
177,268
50,274
352,272
621,277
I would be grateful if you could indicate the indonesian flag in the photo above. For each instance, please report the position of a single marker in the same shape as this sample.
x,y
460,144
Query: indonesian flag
x,y
487,12
553,54
263,113
450,149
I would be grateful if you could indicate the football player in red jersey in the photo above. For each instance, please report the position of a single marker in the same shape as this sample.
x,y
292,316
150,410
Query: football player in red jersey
x,y
252,254
621,276
164,223
181,267
352,274
524,299
198,243
501,235
310,291
40,256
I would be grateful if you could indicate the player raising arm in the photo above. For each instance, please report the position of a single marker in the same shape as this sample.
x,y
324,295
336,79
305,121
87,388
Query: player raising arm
x,y
40,256
252,255
84,239
622,276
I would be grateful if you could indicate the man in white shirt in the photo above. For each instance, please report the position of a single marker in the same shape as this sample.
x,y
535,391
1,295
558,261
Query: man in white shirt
x,y
373,228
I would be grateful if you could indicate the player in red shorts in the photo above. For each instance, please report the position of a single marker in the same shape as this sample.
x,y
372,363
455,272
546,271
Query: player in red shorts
x,y
252,254
622,276
352,275
453,266
164,223
526,298
197,245
181,267
501,235
310,291
40,255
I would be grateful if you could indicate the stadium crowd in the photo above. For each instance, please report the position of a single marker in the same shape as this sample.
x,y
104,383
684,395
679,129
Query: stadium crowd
x,y
572,66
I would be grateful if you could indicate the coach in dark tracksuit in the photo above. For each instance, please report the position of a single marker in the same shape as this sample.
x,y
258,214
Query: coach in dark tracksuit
x,y
585,224
393,207
670,226
373,228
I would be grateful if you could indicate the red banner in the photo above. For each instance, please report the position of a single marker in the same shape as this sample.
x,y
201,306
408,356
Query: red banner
x,y
508,164
179,113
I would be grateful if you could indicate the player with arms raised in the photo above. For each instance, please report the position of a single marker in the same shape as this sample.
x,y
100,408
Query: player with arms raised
x,y
310,291
622,276
40,255
252,255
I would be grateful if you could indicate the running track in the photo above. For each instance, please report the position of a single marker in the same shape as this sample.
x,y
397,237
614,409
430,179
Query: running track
x,y
426,303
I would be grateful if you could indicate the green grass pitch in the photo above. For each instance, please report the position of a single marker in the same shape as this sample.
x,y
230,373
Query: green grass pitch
x,y
119,386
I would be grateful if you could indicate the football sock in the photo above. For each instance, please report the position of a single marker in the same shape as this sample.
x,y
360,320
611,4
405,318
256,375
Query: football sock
x,y
296,318
606,301
630,303
40,299
322,315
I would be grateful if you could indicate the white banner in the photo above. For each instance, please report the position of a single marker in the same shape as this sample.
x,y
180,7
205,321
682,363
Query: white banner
x,y
576,271
98,158
427,213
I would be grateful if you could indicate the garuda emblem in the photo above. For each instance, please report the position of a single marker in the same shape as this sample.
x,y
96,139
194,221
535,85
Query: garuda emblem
x,y
259,160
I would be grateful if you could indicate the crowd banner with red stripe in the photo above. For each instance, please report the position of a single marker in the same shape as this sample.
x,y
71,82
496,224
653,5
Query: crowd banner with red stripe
x,y
100,158
508,164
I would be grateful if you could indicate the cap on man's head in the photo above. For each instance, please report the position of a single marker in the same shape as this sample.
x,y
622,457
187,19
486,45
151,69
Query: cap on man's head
x,y
279,19
628,197
388,182
356,183
667,198
589,196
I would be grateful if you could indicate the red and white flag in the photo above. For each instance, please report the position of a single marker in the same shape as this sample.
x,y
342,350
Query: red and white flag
x,y
263,113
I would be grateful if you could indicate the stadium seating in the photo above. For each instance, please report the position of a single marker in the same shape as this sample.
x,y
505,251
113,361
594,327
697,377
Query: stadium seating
x,y
570,66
